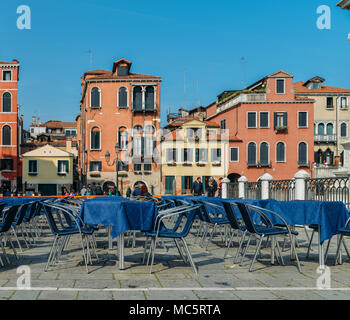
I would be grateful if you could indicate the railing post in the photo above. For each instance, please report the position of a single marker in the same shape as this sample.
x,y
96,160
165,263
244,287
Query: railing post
x,y
241,187
265,185
300,184
224,192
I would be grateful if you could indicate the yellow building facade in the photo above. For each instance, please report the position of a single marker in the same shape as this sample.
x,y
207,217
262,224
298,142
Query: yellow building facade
x,y
190,150
47,170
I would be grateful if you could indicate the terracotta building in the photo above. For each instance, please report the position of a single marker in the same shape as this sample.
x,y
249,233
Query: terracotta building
x,y
270,128
10,166
122,107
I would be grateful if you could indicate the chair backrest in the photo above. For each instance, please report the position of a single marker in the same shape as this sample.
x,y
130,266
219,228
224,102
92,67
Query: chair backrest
x,y
243,209
32,211
231,215
8,218
190,214
21,213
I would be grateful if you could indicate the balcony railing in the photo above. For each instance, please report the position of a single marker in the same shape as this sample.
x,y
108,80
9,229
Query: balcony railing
x,y
264,164
303,164
326,138
241,98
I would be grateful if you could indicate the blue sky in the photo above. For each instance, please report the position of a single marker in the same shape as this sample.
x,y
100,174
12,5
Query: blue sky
x,y
206,40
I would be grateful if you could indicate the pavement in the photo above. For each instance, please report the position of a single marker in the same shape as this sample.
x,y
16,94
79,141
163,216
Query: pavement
x,y
172,279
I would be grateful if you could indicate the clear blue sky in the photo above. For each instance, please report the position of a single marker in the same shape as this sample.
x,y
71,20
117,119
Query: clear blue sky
x,y
163,38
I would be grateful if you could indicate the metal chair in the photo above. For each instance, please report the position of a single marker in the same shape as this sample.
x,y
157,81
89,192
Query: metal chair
x,y
266,229
344,232
179,231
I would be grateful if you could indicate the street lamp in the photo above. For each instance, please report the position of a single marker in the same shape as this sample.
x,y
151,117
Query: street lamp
x,y
115,162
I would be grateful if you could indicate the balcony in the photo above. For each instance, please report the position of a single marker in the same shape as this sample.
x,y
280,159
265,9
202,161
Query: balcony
x,y
325,138
240,98
282,129
264,164
252,165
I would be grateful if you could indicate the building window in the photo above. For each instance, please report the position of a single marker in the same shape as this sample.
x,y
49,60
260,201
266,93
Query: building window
x,y
123,138
302,119
329,103
137,98
32,166
280,152
201,155
251,120
71,133
234,154
223,125
149,98
95,98
187,155
149,143
138,141
320,128
329,128
6,164
6,102
62,166
6,136
280,86
302,154
194,133
123,97
148,166
171,155
264,120
343,130
343,103
137,166
95,166
252,154
216,155
264,154
6,76
280,120
95,139
187,182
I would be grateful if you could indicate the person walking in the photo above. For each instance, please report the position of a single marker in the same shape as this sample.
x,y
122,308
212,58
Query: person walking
x,y
99,190
220,188
137,191
128,192
197,188
212,187
83,191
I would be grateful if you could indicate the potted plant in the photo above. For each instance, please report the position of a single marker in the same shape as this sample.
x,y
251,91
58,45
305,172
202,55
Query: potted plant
x,y
281,129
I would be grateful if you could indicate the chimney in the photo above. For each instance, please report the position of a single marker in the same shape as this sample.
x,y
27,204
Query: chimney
x,y
69,145
39,120
33,120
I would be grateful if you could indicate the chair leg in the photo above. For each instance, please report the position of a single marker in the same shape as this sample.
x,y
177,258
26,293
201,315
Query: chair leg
x,y
239,247
292,247
145,250
189,256
229,245
183,257
279,252
51,253
153,252
338,249
16,237
211,236
310,243
256,253
326,253
246,248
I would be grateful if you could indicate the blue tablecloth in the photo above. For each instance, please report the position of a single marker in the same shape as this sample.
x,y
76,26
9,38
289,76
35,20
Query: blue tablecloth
x,y
120,213
20,201
330,215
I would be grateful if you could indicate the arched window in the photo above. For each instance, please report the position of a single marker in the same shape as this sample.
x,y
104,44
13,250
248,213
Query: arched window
x,y
95,139
321,128
137,98
264,154
123,97
6,102
6,135
138,140
251,154
329,128
123,138
280,152
343,130
149,98
302,153
150,130
95,97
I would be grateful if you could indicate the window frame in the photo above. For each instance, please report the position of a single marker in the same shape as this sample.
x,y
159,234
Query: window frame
x,y
2,136
284,86
268,153
237,148
3,75
346,125
256,120
37,167
268,120
330,107
256,153
307,150
2,102
127,98
100,137
59,167
96,163
100,96
307,120
284,152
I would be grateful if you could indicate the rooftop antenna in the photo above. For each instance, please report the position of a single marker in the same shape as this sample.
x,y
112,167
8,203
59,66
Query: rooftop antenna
x,y
198,93
89,52
244,62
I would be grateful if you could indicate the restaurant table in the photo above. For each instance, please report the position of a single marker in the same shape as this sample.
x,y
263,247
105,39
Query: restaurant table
x,y
329,216
119,215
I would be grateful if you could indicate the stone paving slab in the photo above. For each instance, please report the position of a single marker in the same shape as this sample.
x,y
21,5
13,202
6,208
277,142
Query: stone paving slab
x,y
218,279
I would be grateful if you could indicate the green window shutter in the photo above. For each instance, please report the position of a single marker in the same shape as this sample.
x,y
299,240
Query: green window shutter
x,y
183,184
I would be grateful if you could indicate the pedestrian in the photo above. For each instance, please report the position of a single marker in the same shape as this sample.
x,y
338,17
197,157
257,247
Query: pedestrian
x,y
93,188
220,188
89,190
197,187
99,191
212,187
128,192
83,191
137,191
144,191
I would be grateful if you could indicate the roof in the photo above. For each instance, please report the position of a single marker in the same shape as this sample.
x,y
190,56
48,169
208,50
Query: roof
x,y
14,62
110,75
47,151
300,88
52,124
344,4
